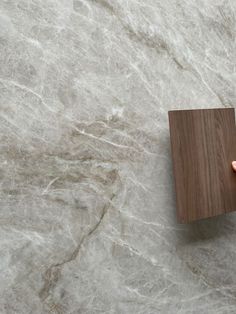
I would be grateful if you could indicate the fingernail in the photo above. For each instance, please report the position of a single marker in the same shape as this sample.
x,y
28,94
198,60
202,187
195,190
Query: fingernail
x,y
234,165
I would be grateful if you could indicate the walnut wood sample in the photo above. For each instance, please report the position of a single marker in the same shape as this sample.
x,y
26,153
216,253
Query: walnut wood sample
x,y
203,144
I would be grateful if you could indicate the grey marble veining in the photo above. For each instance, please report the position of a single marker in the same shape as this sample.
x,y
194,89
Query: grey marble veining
x,y
87,207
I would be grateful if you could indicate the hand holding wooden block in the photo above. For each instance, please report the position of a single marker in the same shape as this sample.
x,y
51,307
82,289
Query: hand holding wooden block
x,y
203,145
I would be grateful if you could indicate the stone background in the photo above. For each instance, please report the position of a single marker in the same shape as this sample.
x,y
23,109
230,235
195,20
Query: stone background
x,y
87,206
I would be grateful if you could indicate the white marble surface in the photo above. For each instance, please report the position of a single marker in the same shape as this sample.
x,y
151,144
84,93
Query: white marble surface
x,y
87,208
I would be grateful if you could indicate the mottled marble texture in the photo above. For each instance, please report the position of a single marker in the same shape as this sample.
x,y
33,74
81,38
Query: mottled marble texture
x,y
87,208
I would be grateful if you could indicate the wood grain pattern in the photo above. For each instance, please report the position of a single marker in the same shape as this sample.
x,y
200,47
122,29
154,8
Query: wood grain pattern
x,y
203,146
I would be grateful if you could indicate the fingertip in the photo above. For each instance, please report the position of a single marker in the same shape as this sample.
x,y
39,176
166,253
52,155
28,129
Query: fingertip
x,y
234,165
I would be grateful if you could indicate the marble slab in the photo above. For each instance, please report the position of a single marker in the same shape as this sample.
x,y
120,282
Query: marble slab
x,y
87,205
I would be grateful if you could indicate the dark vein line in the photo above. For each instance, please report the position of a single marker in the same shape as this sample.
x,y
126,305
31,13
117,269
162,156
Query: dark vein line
x,y
52,274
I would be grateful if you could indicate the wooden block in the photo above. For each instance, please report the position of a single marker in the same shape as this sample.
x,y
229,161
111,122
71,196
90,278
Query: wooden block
x,y
203,144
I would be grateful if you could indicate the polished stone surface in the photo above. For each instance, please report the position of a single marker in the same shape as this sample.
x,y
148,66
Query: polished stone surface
x,y
87,207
